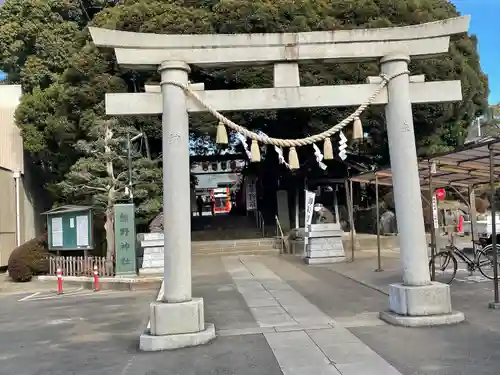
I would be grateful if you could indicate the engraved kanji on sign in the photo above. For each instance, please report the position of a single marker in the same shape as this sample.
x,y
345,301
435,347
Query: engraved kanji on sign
x,y
125,239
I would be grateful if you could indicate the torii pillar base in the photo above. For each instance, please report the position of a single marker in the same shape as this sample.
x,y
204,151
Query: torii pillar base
x,y
176,325
420,306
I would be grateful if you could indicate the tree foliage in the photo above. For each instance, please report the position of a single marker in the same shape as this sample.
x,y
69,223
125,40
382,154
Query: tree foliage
x,y
101,176
46,47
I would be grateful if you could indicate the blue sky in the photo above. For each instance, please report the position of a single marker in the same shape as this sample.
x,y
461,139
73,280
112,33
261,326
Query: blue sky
x,y
486,25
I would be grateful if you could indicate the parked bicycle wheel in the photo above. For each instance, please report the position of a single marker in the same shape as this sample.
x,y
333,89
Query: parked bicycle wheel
x,y
485,261
446,266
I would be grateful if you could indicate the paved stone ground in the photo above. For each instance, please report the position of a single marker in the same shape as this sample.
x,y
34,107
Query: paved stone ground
x,y
468,348
274,316
7,286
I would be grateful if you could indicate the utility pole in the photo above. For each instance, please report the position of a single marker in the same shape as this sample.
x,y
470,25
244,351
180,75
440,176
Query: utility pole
x,y
129,155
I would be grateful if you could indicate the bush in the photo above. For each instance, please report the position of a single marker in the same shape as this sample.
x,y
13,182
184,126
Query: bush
x,y
29,259
482,205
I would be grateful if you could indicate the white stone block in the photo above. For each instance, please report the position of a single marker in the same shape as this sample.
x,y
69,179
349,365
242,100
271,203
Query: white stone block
x,y
322,234
324,227
327,260
150,343
324,253
153,243
329,243
324,244
454,317
148,255
151,271
150,236
424,300
176,318
155,263
158,249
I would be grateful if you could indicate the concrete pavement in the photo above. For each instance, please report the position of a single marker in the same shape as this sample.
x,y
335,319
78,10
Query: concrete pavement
x,y
469,348
274,315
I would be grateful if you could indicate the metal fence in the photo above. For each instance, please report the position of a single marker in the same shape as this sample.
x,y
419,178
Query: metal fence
x,y
79,265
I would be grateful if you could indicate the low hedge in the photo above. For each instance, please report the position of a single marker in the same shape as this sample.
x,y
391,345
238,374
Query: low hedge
x,y
29,259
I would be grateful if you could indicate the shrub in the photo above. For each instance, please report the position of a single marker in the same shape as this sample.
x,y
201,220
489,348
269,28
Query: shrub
x,y
482,205
29,259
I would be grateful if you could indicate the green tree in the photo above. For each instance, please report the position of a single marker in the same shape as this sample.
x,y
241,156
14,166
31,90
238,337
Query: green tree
x,y
39,41
438,126
101,177
65,97
492,119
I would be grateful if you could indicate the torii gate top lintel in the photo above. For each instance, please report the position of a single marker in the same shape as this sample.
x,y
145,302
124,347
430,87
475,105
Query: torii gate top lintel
x,y
144,50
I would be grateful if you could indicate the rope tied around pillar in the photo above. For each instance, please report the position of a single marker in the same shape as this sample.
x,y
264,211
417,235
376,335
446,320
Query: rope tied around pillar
x,y
290,143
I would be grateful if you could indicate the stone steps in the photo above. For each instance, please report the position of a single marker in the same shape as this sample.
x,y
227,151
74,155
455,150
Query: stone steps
x,y
270,251
225,235
152,257
239,247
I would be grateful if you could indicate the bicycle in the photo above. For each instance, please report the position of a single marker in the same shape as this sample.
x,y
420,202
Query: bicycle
x,y
483,259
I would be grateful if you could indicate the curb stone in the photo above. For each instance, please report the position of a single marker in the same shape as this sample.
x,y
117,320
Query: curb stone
x,y
119,284
361,282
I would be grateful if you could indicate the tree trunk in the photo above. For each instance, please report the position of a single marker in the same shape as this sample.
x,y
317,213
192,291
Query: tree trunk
x,y
110,230
110,237
109,224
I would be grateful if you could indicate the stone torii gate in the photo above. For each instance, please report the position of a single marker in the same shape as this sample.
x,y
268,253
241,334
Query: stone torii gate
x,y
178,320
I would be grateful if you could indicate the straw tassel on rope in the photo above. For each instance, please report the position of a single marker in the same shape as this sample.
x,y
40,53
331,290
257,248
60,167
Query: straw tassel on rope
x,y
357,129
255,151
221,138
327,149
293,159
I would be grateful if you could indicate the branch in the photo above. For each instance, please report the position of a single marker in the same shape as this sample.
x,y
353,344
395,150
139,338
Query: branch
x,y
95,188
122,175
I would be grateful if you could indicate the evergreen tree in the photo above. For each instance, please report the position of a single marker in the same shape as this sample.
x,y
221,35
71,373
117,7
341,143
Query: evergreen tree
x,y
101,177
45,46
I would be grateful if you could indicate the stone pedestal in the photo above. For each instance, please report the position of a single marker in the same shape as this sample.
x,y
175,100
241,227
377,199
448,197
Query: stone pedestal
x,y
153,249
323,244
415,306
176,325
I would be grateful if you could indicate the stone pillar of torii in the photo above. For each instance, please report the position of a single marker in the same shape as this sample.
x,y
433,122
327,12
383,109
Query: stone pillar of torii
x,y
178,319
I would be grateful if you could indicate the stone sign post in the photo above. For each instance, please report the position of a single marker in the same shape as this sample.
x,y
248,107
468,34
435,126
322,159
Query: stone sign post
x,y
125,241
178,320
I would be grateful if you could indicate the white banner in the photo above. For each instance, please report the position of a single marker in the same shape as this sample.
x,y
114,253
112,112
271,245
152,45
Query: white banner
x,y
435,211
310,198
251,195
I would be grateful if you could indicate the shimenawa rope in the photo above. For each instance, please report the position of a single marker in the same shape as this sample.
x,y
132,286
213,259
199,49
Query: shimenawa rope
x,y
292,143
